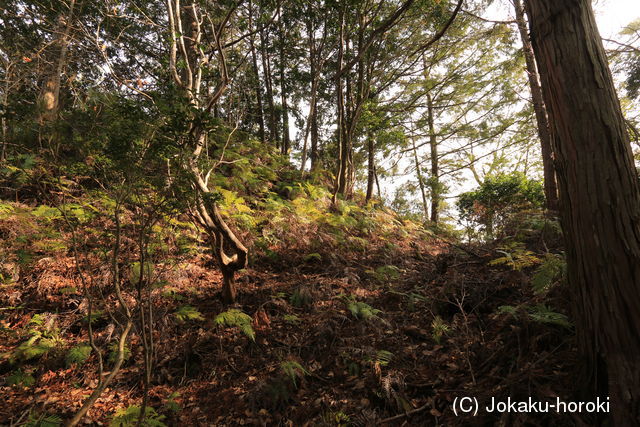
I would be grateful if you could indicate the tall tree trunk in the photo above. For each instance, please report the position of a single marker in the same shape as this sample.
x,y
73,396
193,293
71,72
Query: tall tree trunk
x,y
423,192
5,105
283,90
371,165
311,126
266,67
599,193
256,72
435,172
540,110
51,90
340,131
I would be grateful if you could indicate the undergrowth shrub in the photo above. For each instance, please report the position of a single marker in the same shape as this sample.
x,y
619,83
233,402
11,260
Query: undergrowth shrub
x,y
489,206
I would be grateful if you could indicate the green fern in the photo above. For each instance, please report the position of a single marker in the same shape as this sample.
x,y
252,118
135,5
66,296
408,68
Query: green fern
x,y
147,272
43,420
293,370
113,353
22,379
128,417
362,311
187,312
78,355
291,318
237,318
301,297
508,309
552,269
544,314
35,347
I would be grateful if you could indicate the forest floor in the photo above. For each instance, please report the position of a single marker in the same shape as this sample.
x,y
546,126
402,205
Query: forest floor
x,y
357,344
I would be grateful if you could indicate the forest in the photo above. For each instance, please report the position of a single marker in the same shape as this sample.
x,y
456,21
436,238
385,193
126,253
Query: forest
x,y
319,213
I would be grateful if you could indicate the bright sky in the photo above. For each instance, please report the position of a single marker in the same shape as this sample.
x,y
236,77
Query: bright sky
x,y
613,15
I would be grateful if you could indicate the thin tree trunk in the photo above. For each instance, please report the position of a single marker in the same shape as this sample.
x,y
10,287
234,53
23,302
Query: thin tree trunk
x,y
435,172
256,72
5,104
283,92
311,118
599,195
423,192
540,110
266,67
340,175
371,165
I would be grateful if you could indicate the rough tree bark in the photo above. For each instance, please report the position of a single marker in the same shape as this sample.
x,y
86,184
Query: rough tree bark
x,y
540,110
599,194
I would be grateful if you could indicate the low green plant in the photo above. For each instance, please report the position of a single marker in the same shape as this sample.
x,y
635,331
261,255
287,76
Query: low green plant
x,y
361,310
438,329
549,272
21,379
78,355
113,353
186,313
128,417
301,297
43,420
516,257
386,273
544,314
236,318
291,318
293,371
172,405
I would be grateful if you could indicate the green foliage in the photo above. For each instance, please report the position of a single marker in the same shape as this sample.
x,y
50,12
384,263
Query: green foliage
x,y
540,313
386,273
237,318
44,337
311,257
544,314
186,313
96,316
508,309
147,272
20,378
301,297
291,318
78,355
128,417
499,197
293,371
43,420
516,257
361,310
438,329
550,271
172,405
113,353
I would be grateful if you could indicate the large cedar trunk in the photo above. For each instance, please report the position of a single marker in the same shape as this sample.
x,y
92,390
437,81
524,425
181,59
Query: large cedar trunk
x,y
599,194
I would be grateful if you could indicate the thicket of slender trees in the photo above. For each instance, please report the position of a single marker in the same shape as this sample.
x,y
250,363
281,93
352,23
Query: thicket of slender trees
x,y
352,92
